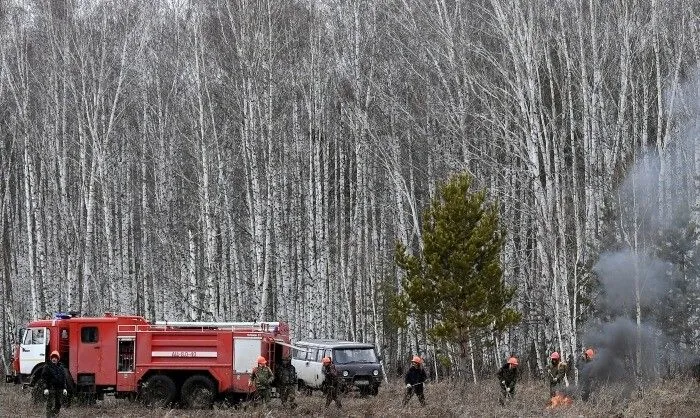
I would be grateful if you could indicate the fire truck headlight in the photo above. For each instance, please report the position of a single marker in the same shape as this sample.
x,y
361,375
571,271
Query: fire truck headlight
x,y
376,372
345,373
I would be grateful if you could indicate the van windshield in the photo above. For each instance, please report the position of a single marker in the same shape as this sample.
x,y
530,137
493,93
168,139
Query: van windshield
x,y
354,355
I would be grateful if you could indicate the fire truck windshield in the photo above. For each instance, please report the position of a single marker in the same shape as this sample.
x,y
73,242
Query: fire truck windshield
x,y
354,355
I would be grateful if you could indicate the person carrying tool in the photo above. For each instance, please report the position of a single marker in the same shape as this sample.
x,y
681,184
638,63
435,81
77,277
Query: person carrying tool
x,y
286,378
331,381
585,373
414,379
262,378
507,375
55,378
557,374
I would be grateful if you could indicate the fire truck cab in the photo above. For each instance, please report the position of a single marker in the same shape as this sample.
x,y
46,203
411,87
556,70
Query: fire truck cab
x,y
165,363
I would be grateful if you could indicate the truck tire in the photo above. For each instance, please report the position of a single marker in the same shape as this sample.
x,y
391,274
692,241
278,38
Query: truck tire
x,y
158,391
198,392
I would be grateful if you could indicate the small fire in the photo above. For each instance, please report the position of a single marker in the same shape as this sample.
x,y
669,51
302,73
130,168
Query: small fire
x,y
559,400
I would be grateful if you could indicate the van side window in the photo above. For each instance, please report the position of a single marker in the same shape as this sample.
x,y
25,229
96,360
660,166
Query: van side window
x,y
311,354
88,335
319,357
300,353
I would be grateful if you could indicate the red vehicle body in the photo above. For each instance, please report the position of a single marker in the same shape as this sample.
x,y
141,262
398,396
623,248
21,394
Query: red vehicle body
x,y
188,363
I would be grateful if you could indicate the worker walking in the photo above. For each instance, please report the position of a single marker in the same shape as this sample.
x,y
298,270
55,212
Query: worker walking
x,y
262,378
331,381
507,375
414,379
586,373
286,378
55,378
557,374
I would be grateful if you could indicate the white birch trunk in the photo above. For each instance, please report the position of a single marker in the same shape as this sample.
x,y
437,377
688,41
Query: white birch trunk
x,y
191,277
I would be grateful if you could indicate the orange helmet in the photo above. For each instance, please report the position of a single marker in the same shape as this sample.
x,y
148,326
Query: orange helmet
x,y
416,360
590,353
555,356
326,360
54,353
513,361
262,360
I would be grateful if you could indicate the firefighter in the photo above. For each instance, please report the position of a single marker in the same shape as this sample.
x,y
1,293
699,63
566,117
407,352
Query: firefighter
x,y
331,381
507,375
557,373
414,379
262,377
585,370
55,378
286,378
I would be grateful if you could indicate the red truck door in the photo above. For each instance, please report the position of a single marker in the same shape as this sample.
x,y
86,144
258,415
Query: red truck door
x,y
96,353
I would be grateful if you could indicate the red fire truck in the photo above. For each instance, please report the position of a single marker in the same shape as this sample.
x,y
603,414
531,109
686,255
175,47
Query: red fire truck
x,y
164,363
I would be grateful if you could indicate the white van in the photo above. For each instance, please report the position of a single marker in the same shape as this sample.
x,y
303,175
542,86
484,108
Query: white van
x,y
357,363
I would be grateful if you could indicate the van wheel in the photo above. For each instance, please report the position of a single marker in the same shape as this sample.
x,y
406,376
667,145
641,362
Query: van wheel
x,y
198,392
158,391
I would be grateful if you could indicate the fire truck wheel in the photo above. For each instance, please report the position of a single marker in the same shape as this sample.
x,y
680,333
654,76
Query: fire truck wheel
x,y
158,391
198,392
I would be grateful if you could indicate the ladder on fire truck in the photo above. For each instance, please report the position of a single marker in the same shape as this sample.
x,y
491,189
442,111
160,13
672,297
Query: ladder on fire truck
x,y
235,326
203,326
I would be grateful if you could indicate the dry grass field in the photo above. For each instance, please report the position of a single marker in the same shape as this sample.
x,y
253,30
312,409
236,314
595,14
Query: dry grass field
x,y
666,399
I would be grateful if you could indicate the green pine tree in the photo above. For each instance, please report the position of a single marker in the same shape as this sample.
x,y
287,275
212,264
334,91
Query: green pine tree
x,y
458,279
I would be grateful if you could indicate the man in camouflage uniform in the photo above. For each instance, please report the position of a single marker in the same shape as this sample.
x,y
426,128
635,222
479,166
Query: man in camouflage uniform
x,y
585,373
286,378
414,379
557,374
507,375
332,382
55,379
262,378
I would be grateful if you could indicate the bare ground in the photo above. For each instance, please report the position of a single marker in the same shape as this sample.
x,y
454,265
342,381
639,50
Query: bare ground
x,y
666,399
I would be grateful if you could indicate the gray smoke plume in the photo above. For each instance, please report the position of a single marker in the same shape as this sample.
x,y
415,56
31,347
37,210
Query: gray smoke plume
x,y
621,273
631,279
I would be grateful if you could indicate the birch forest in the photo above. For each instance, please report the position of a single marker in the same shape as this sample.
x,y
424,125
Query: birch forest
x,y
238,160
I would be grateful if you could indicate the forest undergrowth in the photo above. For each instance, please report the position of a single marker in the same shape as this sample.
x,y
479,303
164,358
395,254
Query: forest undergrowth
x,y
675,398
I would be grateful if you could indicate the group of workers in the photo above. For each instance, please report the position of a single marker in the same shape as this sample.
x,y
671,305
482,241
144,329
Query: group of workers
x,y
285,377
556,373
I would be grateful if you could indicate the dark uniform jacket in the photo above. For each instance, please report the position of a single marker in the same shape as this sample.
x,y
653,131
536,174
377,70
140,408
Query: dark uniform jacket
x,y
286,375
54,376
508,375
415,375
330,374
